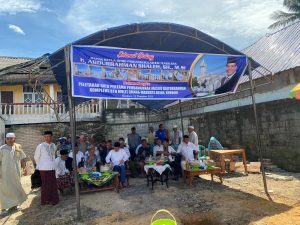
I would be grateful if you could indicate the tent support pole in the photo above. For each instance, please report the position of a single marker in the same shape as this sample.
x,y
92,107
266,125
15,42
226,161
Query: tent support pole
x,y
258,140
72,126
181,118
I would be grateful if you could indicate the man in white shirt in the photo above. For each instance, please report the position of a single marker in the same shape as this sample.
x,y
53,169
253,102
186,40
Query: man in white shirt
x,y
60,163
176,137
11,191
79,157
193,137
123,145
171,153
158,148
63,176
187,150
118,157
44,157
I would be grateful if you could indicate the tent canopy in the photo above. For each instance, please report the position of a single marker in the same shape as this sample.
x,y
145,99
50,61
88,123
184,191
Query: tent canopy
x,y
146,36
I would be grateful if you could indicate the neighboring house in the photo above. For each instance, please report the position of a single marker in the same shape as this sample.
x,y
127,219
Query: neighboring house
x,y
14,81
19,95
6,61
28,86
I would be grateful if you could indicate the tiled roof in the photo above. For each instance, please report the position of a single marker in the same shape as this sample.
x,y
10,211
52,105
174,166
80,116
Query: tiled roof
x,y
6,61
19,73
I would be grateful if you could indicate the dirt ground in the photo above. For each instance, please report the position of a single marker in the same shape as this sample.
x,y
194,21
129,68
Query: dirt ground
x,y
239,200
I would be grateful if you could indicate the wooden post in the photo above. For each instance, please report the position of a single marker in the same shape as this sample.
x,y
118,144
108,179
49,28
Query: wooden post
x,y
181,119
258,140
72,125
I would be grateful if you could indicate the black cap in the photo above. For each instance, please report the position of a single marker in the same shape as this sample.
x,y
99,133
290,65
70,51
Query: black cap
x,y
185,136
231,60
48,132
64,152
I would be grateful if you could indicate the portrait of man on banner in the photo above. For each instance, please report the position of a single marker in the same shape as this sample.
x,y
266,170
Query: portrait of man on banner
x,y
234,69
101,72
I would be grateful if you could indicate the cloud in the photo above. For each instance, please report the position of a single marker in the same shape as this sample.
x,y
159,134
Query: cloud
x,y
17,6
238,23
16,29
140,13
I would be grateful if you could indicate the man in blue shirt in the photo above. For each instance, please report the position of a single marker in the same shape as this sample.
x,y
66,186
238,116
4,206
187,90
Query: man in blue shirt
x,y
161,133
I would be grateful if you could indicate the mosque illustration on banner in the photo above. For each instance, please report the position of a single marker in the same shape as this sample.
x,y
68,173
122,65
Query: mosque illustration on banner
x,y
145,75
155,75
81,69
149,75
204,80
96,71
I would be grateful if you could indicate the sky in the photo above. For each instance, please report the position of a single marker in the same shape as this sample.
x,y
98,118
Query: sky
x,y
31,28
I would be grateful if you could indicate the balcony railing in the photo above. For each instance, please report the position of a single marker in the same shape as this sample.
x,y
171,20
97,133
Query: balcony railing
x,y
43,112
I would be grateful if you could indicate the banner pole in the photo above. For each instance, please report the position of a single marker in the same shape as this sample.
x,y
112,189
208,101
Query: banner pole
x,y
72,126
181,118
258,140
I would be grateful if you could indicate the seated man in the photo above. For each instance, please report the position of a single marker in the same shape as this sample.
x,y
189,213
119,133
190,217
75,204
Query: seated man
x,y
91,159
63,176
187,150
79,156
123,145
118,157
105,150
158,148
143,151
171,153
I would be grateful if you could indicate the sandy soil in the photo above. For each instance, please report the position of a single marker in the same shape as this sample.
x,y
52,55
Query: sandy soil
x,y
240,200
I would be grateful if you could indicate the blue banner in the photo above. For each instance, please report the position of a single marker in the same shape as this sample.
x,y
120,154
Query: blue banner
x,y
106,72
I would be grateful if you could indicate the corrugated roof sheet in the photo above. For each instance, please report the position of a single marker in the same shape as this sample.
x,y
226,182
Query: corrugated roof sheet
x,y
278,51
6,61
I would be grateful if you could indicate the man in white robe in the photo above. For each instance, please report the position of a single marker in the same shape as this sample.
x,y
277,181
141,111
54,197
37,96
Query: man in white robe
x,y
193,137
11,191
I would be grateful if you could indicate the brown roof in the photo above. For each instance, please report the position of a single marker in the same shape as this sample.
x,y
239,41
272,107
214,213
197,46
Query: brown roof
x,y
19,73
6,61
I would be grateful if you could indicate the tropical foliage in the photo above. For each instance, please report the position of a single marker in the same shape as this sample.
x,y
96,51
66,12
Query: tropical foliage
x,y
285,18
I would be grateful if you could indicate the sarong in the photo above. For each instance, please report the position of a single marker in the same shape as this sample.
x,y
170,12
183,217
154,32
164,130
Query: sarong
x,y
65,181
49,192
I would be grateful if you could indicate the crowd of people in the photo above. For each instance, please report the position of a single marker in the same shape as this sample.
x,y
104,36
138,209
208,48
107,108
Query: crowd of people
x,y
55,161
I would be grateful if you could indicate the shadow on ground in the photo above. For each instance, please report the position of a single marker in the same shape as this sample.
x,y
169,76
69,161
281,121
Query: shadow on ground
x,y
206,203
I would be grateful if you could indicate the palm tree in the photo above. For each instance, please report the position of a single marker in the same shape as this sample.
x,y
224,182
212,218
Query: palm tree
x,y
286,18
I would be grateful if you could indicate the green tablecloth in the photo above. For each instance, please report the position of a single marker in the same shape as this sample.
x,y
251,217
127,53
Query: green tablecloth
x,y
106,178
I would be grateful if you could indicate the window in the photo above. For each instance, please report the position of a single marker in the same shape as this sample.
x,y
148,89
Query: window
x,y
31,97
38,98
28,97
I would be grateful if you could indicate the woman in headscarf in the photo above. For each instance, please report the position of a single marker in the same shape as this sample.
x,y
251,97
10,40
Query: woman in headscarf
x,y
214,144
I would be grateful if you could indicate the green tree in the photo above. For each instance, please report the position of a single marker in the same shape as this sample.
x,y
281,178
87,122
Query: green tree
x,y
286,18
195,82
